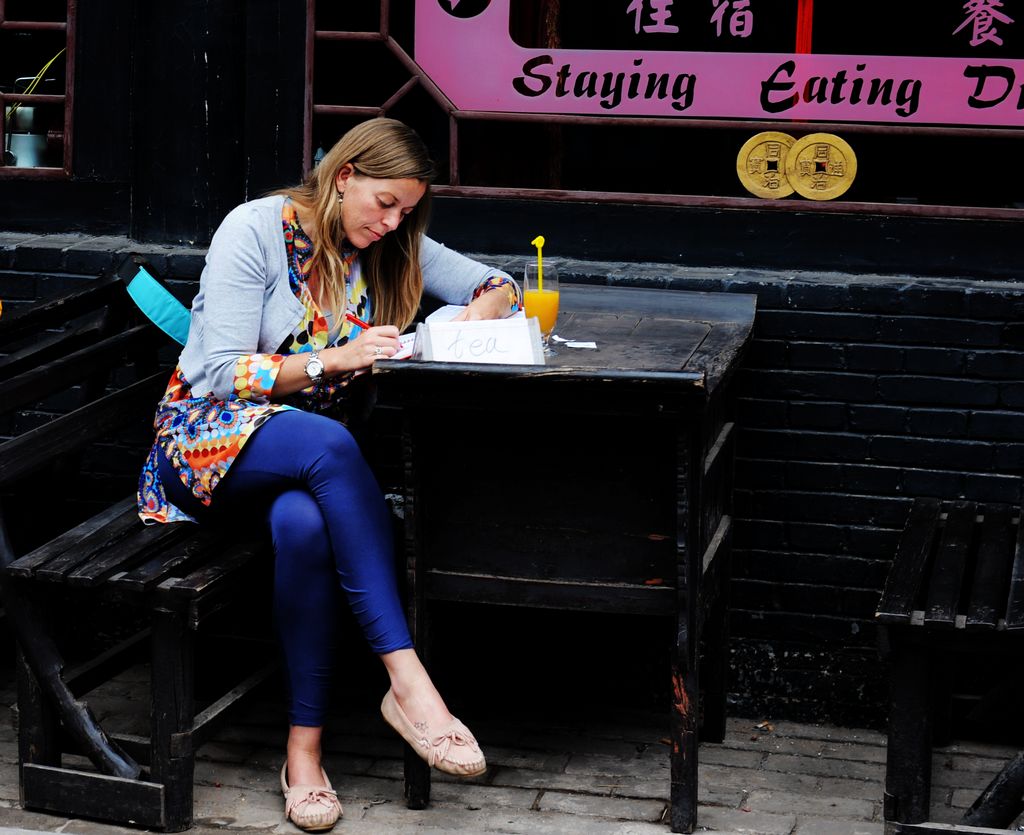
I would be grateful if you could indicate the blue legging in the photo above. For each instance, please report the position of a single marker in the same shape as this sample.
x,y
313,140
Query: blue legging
x,y
330,528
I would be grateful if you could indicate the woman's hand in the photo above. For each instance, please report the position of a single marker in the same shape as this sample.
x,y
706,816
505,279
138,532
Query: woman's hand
x,y
493,304
362,352
357,355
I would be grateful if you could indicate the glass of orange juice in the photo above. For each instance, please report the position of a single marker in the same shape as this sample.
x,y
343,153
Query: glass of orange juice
x,y
540,296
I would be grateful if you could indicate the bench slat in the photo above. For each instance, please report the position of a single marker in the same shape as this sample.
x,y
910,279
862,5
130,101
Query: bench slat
x,y
991,574
1015,600
24,566
56,568
904,580
89,548
948,569
38,447
203,579
140,543
197,544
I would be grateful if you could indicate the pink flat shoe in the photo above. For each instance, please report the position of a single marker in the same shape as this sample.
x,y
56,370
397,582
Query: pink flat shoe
x,y
452,750
312,808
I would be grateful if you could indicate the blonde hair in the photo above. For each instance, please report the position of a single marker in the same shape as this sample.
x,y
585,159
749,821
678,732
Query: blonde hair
x,y
383,149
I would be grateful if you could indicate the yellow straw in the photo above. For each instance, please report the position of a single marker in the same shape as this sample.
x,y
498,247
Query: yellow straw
x,y
539,243
35,83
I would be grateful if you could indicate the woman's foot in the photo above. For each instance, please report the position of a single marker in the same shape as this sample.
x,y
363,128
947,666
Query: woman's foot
x,y
314,808
415,709
414,690
450,748
310,801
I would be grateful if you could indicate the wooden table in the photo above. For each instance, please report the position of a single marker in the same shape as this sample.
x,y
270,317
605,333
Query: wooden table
x,y
617,463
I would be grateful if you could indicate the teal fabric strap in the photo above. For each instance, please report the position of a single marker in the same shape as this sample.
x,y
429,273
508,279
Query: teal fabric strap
x,y
156,301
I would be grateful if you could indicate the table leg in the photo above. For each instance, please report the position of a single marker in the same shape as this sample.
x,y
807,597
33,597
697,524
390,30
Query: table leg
x,y
417,772
686,661
683,739
714,674
417,780
714,641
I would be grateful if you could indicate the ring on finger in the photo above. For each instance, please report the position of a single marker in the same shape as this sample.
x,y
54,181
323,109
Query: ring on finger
x,y
377,350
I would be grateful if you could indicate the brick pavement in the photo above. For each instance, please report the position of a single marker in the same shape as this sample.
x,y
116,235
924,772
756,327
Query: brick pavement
x,y
607,777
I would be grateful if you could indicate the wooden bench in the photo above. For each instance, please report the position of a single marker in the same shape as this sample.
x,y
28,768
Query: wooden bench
x,y
172,578
956,586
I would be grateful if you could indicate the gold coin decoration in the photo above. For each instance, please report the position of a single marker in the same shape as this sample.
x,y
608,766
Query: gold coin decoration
x,y
821,166
761,164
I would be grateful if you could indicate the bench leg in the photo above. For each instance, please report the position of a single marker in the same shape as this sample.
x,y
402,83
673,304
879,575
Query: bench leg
x,y
38,725
908,770
173,709
1000,804
38,651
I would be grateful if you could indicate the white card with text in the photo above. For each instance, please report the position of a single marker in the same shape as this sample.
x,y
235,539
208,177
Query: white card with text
x,y
514,341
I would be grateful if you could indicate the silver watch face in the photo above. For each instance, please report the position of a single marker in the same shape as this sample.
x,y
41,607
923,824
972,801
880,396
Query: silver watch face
x,y
314,368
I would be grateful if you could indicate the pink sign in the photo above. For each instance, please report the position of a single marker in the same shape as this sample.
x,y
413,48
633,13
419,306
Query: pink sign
x,y
475,62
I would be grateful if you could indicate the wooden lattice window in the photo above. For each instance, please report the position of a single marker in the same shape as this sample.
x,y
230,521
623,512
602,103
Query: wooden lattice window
x,y
36,86
363,61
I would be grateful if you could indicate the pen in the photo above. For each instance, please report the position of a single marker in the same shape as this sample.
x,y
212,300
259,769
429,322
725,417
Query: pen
x,y
355,320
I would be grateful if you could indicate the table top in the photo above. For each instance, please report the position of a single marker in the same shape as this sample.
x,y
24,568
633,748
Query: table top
x,y
674,338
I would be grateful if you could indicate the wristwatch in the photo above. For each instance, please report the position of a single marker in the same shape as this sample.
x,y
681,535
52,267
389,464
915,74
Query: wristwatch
x,y
315,368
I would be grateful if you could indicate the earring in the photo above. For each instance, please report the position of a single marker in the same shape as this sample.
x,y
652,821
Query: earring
x,y
341,197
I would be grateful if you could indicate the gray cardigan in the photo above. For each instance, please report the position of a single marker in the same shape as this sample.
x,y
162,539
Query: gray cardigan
x,y
245,305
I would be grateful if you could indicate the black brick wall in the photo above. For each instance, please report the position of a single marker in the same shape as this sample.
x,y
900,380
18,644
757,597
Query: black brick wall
x,y
858,393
